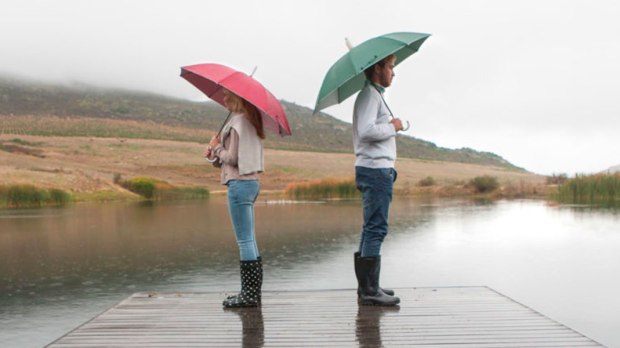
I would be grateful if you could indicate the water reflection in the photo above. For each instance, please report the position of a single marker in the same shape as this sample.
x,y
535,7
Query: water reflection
x,y
138,244
252,326
60,267
368,325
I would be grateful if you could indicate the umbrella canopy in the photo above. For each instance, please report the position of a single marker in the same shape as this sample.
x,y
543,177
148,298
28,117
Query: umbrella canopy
x,y
212,79
346,77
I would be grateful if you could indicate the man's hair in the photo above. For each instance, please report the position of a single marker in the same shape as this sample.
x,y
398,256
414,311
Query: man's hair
x,y
369,71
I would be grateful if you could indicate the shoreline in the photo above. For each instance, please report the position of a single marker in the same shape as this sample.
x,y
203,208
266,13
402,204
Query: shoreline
x,y
88,168
544,193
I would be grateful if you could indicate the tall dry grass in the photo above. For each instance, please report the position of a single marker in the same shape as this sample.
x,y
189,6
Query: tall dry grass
x,y
328,188
591,189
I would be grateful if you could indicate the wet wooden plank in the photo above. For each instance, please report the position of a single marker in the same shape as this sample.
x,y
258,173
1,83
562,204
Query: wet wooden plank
x,y
427,317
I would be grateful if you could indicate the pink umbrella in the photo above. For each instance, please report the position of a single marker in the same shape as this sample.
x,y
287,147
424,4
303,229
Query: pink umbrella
x,y
211,79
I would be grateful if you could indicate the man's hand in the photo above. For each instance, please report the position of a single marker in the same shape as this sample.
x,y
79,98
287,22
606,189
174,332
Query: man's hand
x,y
397,123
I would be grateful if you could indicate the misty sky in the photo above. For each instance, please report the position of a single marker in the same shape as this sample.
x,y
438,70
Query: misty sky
x,y
536,82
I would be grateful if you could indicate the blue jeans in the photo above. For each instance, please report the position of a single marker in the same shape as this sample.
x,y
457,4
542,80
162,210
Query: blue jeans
x,y
241,197
376,185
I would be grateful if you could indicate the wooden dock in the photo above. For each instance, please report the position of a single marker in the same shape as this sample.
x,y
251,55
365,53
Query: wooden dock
x,y
427,317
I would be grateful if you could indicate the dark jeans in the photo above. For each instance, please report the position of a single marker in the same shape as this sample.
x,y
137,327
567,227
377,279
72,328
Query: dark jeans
x,y
376,185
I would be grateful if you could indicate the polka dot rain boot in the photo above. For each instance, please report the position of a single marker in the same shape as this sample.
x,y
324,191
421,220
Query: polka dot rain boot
x,y
251,283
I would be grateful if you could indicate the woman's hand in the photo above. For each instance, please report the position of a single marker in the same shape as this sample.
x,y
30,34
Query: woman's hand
x,y
209,153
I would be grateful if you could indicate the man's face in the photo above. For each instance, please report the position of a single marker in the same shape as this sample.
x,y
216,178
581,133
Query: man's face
x,y
385,73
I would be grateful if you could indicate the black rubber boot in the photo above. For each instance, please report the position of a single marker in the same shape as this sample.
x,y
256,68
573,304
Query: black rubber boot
x,y
370,293
251,283
259,278
356,257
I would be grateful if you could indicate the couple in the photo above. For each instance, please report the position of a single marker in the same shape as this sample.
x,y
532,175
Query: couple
x,y
239,152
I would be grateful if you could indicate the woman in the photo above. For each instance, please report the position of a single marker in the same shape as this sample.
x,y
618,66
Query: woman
x,y
239,153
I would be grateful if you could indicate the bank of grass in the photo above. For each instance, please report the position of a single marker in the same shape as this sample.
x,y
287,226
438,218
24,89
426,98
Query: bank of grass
x,y
599,189
329,188
154,189
102,196
29,196
484,186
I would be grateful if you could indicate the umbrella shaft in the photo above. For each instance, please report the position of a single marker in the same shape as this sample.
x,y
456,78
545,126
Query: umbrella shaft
x,y
224,124
384,103
391,113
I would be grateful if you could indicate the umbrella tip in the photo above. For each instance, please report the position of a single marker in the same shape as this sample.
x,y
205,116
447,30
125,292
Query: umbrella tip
x,y
348,43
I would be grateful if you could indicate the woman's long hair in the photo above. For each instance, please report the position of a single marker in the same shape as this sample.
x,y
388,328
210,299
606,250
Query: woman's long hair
x,y
254,117
238,104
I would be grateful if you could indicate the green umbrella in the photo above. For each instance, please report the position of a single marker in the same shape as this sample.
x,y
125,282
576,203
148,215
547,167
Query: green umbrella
x,y
346,76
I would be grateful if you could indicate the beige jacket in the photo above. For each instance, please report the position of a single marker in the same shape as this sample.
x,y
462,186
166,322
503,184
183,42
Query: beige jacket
x,y
241,152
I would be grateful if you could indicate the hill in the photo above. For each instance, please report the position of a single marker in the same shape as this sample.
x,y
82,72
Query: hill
x,y
614,169
165,118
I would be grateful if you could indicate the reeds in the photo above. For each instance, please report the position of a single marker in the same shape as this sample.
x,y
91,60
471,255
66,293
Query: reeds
x,y
329,188
591,189
29,196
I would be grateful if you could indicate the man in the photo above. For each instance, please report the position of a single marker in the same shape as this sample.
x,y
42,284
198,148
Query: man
x,y
374,142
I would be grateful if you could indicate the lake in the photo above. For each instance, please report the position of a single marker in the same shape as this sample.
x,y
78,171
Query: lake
x,y
61,267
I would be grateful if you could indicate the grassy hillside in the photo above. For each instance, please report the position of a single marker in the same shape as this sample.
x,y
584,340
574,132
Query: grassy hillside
x,y
52,110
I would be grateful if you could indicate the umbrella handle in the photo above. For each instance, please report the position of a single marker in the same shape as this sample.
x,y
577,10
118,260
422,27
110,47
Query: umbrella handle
x,y
211,160
406,128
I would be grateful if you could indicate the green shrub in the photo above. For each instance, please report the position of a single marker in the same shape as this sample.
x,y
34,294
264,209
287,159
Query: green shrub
x,y
29,196
484,184
3,195
142,185
428,181
25,196
154,189
59,197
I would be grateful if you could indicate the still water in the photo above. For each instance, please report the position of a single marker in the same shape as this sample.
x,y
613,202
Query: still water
x,y
61,267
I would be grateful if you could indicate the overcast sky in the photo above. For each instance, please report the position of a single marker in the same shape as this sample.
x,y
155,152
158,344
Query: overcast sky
x,y
536,82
